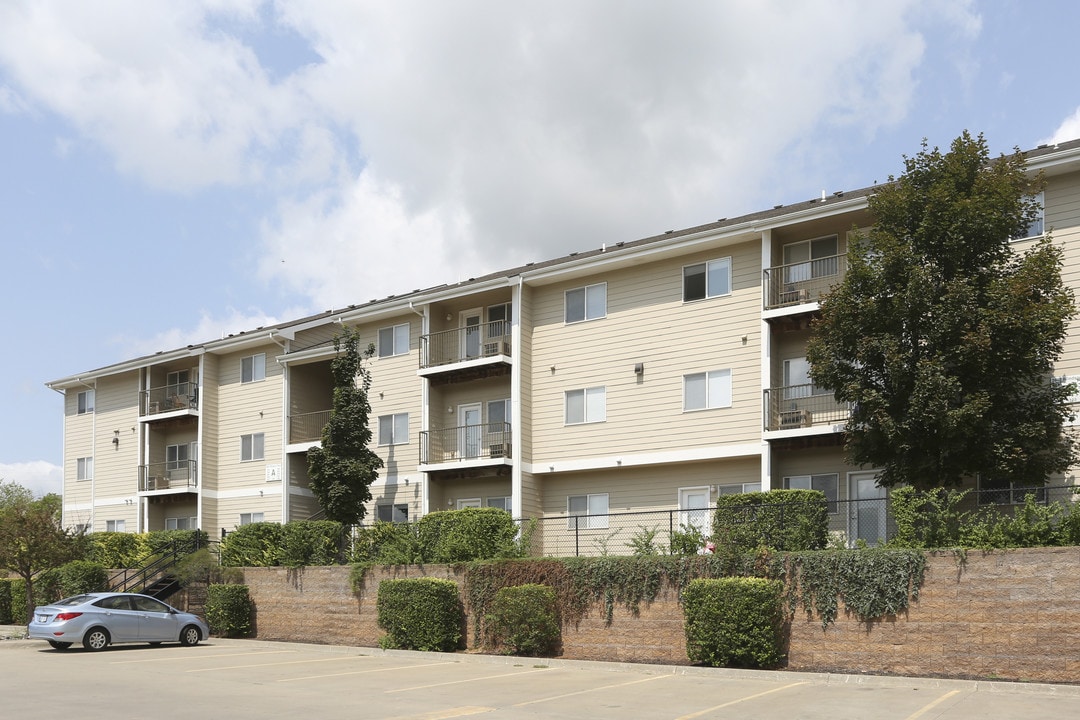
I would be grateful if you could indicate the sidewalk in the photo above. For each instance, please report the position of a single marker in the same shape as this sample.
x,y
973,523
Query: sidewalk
x,y
12,632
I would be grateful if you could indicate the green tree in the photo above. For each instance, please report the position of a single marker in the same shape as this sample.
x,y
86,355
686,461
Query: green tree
x,y
32,538
941,337
343,469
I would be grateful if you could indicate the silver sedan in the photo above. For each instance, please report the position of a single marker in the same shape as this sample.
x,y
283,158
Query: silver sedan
x,y
100,619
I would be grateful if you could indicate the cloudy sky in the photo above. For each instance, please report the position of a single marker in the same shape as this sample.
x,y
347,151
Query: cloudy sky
x,y
173,171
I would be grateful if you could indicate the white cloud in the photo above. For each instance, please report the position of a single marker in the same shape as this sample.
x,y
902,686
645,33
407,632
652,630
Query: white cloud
x,y
1069,129
38,476
211,326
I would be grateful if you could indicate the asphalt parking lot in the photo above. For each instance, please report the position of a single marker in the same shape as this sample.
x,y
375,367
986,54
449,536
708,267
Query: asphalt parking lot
x,y
239,679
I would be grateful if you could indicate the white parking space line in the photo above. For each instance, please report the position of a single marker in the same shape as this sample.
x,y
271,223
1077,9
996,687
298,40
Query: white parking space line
x,y
467,680
706,711
364,672
595,689
286,662
919,713
189,656
445,714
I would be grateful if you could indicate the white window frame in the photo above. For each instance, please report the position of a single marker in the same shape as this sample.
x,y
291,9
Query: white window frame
x,y
253,368
593,303
250,518
592,398
502,502
84,468
1038,227
818,481
250,444
84,403
717,388
398,426
796,271
738,489
395,341
595,512
115,526
723,264
173,523
398,512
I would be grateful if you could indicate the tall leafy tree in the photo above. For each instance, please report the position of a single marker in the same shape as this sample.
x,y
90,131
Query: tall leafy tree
x,y
942,337
32,538
342,470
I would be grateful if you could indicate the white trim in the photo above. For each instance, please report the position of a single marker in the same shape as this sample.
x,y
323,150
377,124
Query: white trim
x,y
714,452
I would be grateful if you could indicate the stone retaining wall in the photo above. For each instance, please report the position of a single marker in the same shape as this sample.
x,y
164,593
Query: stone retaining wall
x,y
1008,615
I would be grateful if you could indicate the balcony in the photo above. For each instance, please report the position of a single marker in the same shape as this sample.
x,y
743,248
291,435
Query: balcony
x,y
172,476
169,400
795,407
477,444
788,286
308,427
464,348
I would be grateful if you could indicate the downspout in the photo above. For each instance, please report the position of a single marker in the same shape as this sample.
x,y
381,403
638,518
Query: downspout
x,y
766,363
515,400
63,448
285,395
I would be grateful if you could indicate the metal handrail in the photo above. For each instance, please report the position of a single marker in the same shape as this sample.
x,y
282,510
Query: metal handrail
x,y
138,579
466,442
472,342
802,282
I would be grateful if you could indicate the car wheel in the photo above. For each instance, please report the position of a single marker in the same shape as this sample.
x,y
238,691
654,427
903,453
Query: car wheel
x,y
60,645
96,639
190,636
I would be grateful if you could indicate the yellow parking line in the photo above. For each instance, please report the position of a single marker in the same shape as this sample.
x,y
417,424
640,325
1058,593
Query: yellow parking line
x,y
468,680
444,714
931,706
187,657
735,702
287,662
364,672
582,692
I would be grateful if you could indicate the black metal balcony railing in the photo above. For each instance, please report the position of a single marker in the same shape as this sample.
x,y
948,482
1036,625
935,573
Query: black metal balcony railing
x,y
168,398
801,406
490,441
802,282
171,475
473,342
308,427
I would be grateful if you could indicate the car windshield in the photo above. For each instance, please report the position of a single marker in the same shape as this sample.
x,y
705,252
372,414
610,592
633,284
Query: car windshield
x,y
74,600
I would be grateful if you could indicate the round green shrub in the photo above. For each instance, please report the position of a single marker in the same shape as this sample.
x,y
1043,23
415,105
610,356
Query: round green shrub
x,y
524,620
228,610
734,622
420,614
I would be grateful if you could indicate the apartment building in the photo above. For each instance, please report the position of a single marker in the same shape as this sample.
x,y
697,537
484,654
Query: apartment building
x,y
641,375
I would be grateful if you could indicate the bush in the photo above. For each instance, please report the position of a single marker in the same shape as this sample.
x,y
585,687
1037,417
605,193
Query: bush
x,y
784,520
524,620
420,614
734,622
687,540
254,545
163,541
118,549
449,536
6,617
386,543
228,610
311,542
201,566
81,576
926,519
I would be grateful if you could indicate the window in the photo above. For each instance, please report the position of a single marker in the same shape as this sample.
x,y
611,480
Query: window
x,y
251,447
1037,227
587,512
86,402
251,517
586,406
797,382
498,414
253,368
394,340
176,459
84,468
1004,492
82,528
392,513
702,391
1073,380
114,526
498,317
738,489
503,503
827,483
180,523
394,429
811,259
706,280
587,303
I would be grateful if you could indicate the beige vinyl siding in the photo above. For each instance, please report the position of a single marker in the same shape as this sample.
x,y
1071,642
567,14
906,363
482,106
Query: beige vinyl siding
x,y
116,467
444,495
384,493
524,360
209,438
812,461
1062,219
230,509
648,322
531,495
396,388
78,443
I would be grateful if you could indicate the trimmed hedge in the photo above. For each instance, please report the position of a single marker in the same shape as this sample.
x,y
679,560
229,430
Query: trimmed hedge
x,y
5,602
420,614
254,545
118,549
524,620
294,544
386,543
228,610
449,536
734,622
784,520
